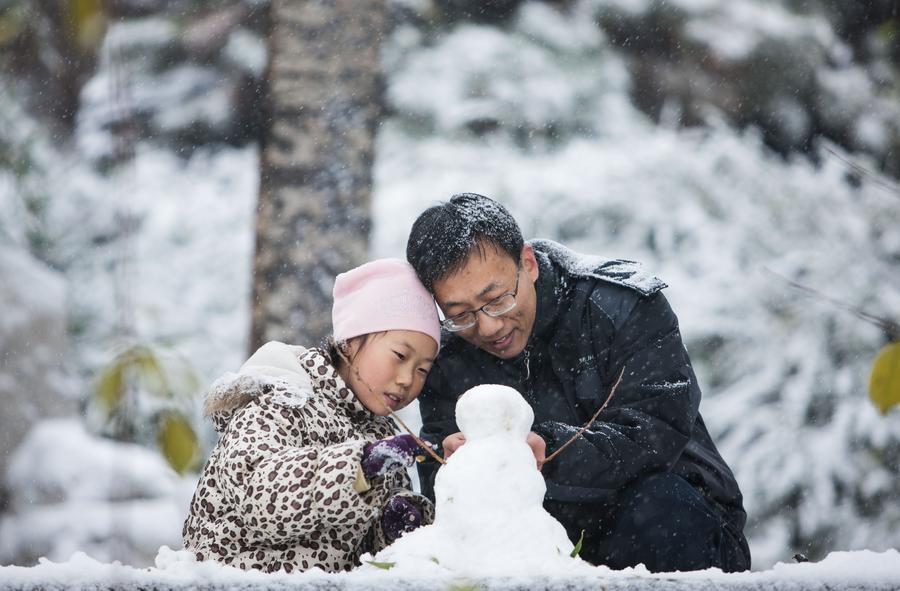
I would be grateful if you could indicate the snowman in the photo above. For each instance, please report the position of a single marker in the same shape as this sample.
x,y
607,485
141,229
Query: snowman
x,y
489,514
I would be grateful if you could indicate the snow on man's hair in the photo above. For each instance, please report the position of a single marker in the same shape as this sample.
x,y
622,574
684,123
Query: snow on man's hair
x,y
443,236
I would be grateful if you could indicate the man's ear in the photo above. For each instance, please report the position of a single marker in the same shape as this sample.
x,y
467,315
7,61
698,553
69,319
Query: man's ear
x,y
529,262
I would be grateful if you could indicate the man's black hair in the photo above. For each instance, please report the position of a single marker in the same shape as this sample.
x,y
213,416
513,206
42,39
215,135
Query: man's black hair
x,y
443,236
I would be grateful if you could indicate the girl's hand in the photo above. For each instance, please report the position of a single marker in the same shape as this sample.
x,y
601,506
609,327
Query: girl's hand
x,y
386,456
400,515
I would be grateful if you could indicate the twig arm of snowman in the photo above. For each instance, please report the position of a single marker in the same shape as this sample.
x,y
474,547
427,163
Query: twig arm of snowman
x,y
646,425
587,426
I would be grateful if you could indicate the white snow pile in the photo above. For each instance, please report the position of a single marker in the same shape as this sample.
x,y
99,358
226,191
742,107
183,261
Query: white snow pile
x,y
72,491
862,570
490,518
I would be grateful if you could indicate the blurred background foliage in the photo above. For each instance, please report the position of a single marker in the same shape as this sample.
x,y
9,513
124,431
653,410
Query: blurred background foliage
x,y
144,386
704,138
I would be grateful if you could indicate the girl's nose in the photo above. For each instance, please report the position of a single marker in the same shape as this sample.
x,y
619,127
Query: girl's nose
x,y
404,378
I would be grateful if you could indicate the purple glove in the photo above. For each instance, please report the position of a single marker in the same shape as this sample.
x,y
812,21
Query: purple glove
x,y
389,455
399,516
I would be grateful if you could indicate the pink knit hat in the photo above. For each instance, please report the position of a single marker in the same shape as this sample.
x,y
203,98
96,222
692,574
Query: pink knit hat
x,y
382,295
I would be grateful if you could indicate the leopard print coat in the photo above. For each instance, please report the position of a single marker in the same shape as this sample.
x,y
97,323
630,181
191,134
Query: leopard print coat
x,y
278,490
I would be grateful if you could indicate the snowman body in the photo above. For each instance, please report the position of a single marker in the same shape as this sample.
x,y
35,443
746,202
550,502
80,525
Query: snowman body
x,y
489,514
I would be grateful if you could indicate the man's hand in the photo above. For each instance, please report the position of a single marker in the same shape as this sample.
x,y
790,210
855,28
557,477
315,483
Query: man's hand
x,y
452,443
538,448
537,444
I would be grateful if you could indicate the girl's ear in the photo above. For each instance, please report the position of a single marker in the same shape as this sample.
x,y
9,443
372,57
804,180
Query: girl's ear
x,y
353,346
350,347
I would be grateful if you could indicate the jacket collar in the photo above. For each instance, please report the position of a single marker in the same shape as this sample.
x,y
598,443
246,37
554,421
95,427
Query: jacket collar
x,y
622,272
548,294
318,364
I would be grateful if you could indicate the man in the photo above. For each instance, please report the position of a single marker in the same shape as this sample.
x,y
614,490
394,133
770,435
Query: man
x,y
645,482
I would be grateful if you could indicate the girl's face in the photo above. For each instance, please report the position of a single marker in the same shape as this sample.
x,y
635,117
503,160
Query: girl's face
x,y
388,370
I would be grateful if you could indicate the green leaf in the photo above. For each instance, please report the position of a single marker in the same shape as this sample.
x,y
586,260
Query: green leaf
x,y
577,549
151,371
884,383
382,565
134,364
111,386
12,22
87,20
177,441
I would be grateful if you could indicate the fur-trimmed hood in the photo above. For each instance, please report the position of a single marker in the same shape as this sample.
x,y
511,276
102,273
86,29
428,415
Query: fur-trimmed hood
x,y
275,367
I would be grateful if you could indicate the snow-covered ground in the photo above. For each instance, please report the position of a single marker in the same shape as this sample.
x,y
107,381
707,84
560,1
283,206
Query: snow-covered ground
x,y
847,571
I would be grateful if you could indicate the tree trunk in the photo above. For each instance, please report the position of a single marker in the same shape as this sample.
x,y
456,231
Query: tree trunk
x,y
313,220
50,48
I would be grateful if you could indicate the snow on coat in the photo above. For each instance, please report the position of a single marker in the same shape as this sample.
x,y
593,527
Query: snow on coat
x,y
280,489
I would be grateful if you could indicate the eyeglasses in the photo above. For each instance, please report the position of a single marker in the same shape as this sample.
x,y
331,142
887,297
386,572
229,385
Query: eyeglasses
x,y
496,307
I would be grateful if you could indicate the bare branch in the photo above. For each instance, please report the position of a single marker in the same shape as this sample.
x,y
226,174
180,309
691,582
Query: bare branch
x,y
422,443
589,423
891,329
875,178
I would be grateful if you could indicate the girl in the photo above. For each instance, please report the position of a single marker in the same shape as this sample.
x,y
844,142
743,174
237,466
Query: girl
x,y
308,471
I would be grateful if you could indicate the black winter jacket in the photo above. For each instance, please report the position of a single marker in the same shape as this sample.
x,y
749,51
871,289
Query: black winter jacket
x,y
593,318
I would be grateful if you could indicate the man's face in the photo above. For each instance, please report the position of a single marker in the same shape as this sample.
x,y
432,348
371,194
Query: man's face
x,y
480,281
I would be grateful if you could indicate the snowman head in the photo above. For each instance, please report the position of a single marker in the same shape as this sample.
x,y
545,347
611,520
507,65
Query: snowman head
x,y
492,409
